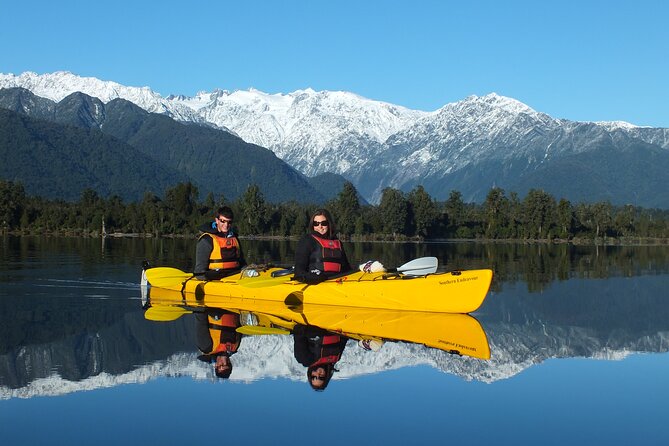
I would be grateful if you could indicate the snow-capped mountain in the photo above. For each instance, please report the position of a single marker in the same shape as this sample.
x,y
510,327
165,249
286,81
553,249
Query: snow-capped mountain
x,y
315,132
470,145
56,86
495,141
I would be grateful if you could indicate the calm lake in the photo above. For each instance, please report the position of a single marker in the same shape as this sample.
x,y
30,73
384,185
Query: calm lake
x,y
578,340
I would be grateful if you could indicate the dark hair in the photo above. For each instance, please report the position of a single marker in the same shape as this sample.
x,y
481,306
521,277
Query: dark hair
x,y
329,371
224,374
331,224
225,211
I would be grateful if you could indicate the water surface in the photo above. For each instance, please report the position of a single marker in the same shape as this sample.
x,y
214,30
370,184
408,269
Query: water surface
x,y
578,339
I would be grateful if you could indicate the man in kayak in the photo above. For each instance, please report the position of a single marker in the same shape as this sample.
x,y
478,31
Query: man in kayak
x,y
318,350
218,253
217,338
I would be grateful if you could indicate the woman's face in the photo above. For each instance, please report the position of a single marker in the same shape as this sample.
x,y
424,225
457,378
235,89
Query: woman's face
x,y
317,377
320,224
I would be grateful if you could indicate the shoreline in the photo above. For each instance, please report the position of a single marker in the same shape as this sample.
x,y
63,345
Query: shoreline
x,y
381,238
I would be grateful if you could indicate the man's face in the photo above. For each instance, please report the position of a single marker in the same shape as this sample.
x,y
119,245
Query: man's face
x,y
223,364
223,224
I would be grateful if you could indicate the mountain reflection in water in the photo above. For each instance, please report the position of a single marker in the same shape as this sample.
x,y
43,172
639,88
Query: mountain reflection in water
x,y
369,329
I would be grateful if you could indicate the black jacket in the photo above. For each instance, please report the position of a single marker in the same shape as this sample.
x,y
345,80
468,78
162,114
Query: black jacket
x,y
306,249
308,344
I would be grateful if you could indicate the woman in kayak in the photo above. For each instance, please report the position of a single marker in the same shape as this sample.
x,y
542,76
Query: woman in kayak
x,y
318,350
319,254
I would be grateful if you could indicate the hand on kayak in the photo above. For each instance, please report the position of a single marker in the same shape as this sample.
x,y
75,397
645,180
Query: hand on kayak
x,y
372,266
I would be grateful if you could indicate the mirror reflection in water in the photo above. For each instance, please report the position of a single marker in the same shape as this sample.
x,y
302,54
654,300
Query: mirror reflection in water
x,y
564,332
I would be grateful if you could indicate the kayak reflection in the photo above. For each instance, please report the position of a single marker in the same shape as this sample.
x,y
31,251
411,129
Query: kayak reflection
x,y
459,334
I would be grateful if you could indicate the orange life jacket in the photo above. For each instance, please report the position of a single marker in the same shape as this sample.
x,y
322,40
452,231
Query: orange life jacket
x,y
329,258
223,333
227,255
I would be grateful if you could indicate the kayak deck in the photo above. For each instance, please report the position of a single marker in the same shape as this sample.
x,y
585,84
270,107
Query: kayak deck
x,y
450,292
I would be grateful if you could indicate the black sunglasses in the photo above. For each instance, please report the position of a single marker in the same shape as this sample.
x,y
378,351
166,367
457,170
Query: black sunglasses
x,y
320,223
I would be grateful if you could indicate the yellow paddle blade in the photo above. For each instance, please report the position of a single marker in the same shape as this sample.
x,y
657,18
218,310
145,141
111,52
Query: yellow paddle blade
x,y
164,313
164,277
259,330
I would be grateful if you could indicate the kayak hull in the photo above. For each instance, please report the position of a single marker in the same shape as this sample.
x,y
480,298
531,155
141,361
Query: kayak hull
x,y
455,333
451,292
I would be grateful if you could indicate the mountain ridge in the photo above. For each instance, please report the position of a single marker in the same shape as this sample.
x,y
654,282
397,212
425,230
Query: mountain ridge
x,y
165,150
377,145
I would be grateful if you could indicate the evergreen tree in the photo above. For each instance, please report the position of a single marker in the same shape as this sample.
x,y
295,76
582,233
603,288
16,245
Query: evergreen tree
x,y
495,210
423,210
12,199
393,211
624,221
455,211
346,208
181,202
540,214
601,214
515,215
565,218
150,208
253,211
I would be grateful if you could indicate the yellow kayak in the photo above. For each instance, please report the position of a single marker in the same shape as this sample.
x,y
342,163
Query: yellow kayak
x,y
450,292
456,333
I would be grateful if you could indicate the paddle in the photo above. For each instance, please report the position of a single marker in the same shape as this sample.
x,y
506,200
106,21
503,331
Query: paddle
x,y
417,267
164,277
165,313
260,330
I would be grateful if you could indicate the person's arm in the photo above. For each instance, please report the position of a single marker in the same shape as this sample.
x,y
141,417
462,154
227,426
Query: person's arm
x,y
302,260
202,254
203,339
301,345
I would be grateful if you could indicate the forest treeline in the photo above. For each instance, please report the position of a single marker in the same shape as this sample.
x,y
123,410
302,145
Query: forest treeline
x,y
398,216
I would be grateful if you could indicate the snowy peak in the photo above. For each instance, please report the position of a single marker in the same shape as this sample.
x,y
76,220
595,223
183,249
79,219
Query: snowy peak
x,y
491,109
337,111
56,86
331,126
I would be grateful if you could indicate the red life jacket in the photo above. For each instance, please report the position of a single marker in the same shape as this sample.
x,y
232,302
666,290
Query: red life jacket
x,y
329,258
329,355
227,255
223,333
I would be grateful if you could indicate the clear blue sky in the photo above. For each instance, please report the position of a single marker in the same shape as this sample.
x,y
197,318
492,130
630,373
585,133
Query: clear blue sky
x,y
579,60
